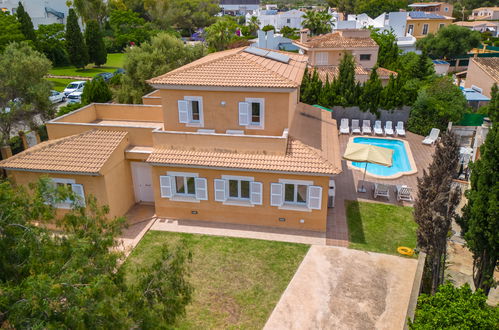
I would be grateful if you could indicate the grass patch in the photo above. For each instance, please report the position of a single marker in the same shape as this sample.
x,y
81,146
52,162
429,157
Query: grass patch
x,y
59,84
237,282
380,227
114,61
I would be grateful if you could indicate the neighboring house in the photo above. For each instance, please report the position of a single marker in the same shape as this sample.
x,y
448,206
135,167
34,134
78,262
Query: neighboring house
x,y
481,26
485,13
475,98
269,40
229,142
42,12
394,21
292,18
419,24
482,73
441,67
439,8
239,7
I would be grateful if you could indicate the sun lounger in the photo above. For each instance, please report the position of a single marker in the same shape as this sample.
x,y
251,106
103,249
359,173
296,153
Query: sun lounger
x,y
366,127
432,138
344,129
403,193
355,126
381,190
389,128
400,128
377,128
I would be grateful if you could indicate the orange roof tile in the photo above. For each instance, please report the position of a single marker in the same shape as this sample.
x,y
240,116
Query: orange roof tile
x,y
83,153
337,40
237,68
489,65
333,71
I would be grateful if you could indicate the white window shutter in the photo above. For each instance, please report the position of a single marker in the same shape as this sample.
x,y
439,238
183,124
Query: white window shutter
x,y
256,193
79,194
165,184
244,113
276,196
183,111
220,192
201,185
314,197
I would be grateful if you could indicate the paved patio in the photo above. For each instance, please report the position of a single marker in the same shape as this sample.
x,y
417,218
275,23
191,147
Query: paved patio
x,y
347,181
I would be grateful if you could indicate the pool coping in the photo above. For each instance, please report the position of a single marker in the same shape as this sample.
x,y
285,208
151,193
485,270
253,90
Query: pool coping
x,y
408,150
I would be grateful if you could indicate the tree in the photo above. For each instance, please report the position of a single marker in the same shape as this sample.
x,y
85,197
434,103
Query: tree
x,y
434,210
26,24
91,10
220,34
318,22
23,90
96,90
50,41
288,32
492,108
424,68
10,30
437,104
450,42
480,219
74,280
254,25
454,308
162,54
345,83
97,53
268,28
371,93
128,27
374,8
391,97
75,43
310,88
388,52
343,6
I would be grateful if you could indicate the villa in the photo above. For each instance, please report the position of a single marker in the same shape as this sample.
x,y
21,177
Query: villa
x,y
420,23
222,139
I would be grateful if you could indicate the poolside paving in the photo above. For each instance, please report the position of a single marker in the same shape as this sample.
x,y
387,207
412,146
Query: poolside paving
x,y
348,180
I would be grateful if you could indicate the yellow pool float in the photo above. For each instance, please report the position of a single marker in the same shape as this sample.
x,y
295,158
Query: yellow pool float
x,y
405,251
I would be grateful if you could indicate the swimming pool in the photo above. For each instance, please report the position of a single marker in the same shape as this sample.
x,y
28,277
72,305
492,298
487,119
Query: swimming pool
x,y
400,162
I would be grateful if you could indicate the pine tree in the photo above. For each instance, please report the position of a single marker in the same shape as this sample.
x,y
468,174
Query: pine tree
x,y
324,95
75,44
371,94
424,69
346,78
97,53
434,210
390,96
26,23
480,220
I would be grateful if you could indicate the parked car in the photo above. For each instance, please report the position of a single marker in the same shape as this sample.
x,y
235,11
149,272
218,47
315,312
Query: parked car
x,y
56,97
75,97
119,71
75,86
104,75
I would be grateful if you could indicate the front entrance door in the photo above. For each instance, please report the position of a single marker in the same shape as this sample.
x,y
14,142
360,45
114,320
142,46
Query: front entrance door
x,y
142,182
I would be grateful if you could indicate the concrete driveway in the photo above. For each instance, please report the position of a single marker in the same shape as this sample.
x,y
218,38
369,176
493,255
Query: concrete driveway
x,y
340,288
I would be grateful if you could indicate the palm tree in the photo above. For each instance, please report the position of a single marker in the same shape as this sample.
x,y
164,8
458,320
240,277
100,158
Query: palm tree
x,y
317,22
253,24
220,34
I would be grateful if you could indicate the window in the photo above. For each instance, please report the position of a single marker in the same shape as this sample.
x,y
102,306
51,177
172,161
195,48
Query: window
x,y
365,57
321,58
446,8
255,113
184,185
441,25
69,185
425,29
288,20
239,189
252,113
190,111
295,193
410,29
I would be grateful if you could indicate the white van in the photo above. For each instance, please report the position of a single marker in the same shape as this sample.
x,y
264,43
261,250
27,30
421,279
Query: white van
x,y
75,86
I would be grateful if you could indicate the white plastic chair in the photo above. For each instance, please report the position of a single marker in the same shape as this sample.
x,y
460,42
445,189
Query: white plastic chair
x,y
344,129
377,128
404,193
432,138
400,128
366,127
389,128
355,126
381,190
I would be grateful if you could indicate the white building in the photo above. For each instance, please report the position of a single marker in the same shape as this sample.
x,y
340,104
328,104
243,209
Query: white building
x,y
239,7
270,40
42,12
394,21
292,18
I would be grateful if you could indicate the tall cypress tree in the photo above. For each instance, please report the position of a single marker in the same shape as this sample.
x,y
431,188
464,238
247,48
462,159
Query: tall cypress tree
x,y
26,23
371,94
97,53
346,78
434,210
75,44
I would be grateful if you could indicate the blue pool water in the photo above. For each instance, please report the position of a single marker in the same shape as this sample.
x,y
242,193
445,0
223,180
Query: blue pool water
x,y
400,161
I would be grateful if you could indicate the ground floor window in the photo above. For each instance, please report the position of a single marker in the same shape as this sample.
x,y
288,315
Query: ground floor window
x,y
239,189
295,193
185,185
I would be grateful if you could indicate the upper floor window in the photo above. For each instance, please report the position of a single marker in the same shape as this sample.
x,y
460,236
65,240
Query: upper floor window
x,y
365,57
410,29
252,113
190,111
288,20
425,29
446,8
321,58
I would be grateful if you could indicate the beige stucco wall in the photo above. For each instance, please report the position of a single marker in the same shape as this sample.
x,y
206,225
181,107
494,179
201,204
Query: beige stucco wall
x,y
119,188
222,118
334,56
433,26
263,215
476,76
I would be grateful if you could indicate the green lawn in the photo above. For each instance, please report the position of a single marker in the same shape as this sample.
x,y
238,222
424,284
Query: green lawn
x,y
380,227
114,61
237,282
59,84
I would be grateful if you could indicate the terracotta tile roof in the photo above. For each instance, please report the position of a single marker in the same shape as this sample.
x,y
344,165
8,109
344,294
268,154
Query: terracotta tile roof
x,y
490,65
333,71
337,40
316,153
83,153
237,68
